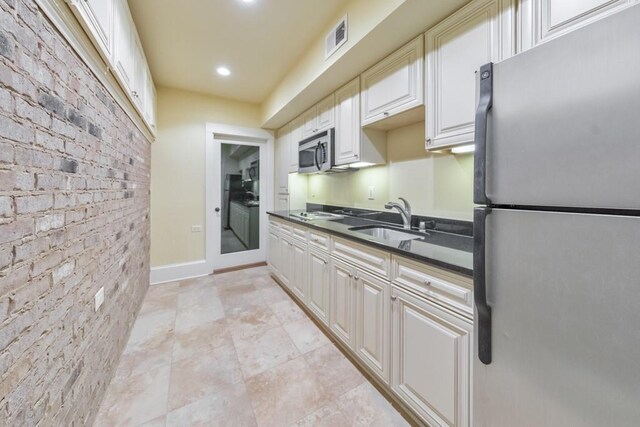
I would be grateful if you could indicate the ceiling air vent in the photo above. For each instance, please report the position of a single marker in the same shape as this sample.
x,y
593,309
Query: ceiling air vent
x,y
336,38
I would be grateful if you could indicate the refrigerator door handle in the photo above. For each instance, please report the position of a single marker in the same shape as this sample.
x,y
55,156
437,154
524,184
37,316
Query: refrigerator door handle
x,y
483,310
480,158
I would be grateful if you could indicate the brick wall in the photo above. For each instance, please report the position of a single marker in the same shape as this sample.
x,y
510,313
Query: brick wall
x,y
74,216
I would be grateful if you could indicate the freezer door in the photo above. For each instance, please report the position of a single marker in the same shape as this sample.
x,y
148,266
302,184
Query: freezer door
x,y
564,129
564,293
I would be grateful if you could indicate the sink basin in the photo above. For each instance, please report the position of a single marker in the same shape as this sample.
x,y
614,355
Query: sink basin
x,y
385,233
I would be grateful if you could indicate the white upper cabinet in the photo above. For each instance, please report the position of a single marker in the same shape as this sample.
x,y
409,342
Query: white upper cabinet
x,y
543,20
295,136
395,84
352,143
111,28
282,164
96,16
124,53
318,118
481,32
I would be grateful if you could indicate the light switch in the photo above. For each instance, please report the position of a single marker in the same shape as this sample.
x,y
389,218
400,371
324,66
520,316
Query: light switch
x,y
371,193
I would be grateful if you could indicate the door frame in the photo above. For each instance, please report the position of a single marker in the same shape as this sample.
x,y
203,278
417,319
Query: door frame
x,y
215,132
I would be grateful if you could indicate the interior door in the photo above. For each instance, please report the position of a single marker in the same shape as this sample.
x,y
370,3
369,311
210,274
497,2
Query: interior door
x,y
240,202
563,289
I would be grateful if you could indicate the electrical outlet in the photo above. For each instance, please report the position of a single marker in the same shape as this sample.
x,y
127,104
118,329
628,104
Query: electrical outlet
x,y
196,229
372,193
99,298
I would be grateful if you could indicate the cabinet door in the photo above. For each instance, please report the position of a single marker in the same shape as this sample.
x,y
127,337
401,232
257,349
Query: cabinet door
x,y
298,282
431,360
318,300
286,265
347,117
309,122
325,111
373,310
295,136
480,32
140,75
97,17
395,84
543,20
274,250
124,39
342,318
282,161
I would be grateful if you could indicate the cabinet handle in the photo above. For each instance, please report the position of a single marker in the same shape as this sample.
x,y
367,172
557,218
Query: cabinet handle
x,y
134,94
386,113
393,297
427,283
428,141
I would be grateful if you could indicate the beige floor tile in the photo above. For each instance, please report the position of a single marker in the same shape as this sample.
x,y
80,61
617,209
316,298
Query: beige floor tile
x,y
160,297
136,399
142,357
150,327
288,311
252,322
156,422
305,335
195,377
228,406
285,394
335,372
201,339
261,352
198,306
237,298
273,295
362,406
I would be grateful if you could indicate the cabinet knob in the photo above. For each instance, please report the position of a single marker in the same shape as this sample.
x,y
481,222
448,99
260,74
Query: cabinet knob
x,y
427,283
386,113
393,297
428,141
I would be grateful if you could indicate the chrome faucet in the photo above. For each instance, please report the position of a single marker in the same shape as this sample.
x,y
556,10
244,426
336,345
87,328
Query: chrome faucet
x,y
405,211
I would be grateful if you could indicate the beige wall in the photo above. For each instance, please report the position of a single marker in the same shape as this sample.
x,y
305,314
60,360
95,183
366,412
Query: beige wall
x,y
436,184
178,170
363,17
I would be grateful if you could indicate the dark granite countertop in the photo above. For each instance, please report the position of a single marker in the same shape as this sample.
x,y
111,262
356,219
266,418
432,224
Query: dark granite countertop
x,y
451,251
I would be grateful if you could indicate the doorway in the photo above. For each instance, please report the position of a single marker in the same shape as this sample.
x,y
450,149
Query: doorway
x,y
238,184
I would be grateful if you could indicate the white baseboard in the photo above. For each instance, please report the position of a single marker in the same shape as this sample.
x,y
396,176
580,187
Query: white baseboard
x,y
173,272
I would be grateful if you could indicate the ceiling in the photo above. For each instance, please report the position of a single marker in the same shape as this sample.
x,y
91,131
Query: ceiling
x,y
185,41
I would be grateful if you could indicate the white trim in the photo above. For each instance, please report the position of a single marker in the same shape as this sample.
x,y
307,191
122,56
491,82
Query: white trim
x,y
213,129
65,21
173,272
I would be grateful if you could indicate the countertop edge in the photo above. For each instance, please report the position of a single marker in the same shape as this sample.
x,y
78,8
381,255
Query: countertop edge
x,y
451,267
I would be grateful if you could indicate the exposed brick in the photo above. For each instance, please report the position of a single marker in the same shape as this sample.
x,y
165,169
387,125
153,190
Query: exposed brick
x,y
16,131
15,230
7,48
32,204
66,149
6,206
52,103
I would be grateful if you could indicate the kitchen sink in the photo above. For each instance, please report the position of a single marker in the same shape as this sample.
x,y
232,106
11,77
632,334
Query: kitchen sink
x,y
385,233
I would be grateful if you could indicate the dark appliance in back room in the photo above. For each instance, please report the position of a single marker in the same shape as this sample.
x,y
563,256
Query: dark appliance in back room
x,y
557,244
233,190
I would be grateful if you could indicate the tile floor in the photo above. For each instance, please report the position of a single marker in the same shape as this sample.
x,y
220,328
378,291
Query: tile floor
x,y
234,350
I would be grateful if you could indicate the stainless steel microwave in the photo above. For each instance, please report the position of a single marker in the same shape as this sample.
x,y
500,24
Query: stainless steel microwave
x,y
316,153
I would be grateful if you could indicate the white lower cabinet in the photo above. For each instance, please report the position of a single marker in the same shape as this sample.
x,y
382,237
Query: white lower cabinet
x,y
372,323
298,258
343,302
416,340
431,359
318,299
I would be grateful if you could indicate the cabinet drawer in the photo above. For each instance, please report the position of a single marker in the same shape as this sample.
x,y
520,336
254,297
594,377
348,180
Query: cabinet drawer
x,y
319,240
451,289
372,260
286,228
299,231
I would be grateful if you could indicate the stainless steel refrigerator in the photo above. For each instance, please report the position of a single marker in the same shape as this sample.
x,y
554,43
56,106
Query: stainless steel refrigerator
x,y
557,240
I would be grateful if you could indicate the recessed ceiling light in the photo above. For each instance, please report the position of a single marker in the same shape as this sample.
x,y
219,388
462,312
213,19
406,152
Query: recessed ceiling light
x,y
223,71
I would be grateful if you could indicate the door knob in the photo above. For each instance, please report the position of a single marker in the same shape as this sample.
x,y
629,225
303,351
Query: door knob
x,y
217,209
